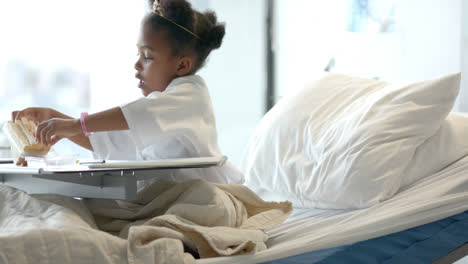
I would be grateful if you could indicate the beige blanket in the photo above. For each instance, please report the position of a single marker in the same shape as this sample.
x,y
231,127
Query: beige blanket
x,y
210,219
165,224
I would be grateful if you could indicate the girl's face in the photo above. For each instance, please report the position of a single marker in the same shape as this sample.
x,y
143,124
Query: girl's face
x,y
156,66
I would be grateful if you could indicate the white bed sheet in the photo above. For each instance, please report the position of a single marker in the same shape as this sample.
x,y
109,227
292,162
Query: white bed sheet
x,y
462,261
433,198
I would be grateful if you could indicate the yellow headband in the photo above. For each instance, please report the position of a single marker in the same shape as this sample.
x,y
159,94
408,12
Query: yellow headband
x,y
157,11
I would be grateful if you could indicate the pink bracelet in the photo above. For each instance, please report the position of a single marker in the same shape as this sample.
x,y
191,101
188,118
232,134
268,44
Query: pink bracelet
x,y
83,126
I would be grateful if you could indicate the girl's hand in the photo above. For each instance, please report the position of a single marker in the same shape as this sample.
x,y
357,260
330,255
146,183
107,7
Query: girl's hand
x,y
52,130
37,114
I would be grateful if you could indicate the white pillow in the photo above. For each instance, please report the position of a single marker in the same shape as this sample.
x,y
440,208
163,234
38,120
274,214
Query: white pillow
x,y
344,142
448,145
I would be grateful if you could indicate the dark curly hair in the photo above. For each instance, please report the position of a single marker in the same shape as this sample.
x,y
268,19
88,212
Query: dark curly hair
x,y
204,25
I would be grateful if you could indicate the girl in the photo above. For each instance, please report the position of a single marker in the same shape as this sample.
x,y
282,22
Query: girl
x,y
175,117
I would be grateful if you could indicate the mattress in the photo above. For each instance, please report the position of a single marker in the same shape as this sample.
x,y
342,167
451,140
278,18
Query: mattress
x,y
436,197
423,244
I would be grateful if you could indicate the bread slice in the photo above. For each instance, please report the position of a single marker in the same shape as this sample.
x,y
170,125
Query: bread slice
x,y
22,135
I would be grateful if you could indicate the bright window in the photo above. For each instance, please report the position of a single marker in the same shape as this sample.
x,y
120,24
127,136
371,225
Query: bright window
x,y
73,56
78,56
394,40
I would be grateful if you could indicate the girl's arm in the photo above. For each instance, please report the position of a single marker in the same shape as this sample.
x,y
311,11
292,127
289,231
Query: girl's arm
x,y
112,119
51,131
82,141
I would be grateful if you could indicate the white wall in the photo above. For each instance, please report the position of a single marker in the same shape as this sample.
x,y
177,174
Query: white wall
x,y
430,40
235,74
307,35
429,33
462,104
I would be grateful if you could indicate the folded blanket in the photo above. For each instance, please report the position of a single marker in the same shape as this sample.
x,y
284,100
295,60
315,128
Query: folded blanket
x,y
211,219
166,223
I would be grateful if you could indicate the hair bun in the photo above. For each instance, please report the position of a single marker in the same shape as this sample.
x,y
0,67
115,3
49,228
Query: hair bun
x,y
212,38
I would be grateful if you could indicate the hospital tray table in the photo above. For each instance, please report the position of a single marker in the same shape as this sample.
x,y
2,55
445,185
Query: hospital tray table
x,y
110,180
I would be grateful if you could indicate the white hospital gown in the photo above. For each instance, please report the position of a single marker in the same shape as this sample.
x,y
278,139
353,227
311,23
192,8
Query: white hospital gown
x,y
176,123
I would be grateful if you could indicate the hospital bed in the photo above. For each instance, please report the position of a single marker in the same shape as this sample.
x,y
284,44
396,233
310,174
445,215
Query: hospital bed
x,y
336,132
424,223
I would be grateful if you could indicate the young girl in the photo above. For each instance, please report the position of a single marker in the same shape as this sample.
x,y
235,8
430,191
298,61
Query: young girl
x,y
175,117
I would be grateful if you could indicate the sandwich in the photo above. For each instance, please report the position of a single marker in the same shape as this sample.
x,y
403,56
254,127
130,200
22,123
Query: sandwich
x,y
21,134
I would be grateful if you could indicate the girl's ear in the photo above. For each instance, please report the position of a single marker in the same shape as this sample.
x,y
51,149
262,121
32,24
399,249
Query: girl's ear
x,y
185,66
